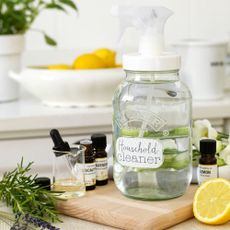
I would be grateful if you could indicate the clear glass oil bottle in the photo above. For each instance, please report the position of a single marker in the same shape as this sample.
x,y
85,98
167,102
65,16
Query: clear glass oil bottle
x,y
68,172
152,135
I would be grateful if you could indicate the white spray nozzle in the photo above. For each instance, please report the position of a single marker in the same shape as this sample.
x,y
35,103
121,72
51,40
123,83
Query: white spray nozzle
x,y
150,21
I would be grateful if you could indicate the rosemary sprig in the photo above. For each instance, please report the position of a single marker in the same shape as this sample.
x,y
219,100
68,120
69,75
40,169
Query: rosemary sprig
x,y
19,190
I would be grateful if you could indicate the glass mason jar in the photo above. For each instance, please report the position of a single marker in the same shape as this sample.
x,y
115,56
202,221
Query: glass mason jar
x,y
152,135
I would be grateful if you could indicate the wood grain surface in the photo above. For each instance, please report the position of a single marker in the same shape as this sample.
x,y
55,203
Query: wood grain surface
x,y
106,205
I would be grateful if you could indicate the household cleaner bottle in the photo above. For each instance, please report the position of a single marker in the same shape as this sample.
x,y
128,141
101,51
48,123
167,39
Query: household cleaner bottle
x,y
151,114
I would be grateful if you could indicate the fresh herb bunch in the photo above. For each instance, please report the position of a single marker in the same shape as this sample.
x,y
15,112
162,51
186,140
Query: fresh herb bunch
x,y
20,191
17,16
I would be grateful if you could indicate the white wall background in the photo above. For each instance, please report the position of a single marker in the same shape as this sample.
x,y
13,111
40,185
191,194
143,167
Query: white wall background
x,y
95,27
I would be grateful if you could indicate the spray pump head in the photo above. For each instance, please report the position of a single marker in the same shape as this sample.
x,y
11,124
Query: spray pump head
x,y
150,22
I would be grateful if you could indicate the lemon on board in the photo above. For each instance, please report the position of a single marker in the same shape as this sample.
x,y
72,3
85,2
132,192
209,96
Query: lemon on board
x,y
59,67
107,55
89,61
211,204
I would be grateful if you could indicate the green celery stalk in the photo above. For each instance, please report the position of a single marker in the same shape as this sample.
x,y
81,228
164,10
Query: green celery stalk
x,y
174,159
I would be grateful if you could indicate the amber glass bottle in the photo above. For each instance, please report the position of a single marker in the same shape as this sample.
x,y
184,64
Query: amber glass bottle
x,y
90,166
99,145
207,168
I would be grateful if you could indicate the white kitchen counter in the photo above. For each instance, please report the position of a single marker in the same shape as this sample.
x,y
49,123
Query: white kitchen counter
x,y
25,126
29,118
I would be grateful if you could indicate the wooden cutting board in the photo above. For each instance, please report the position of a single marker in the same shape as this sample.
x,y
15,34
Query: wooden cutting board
x,y
106,205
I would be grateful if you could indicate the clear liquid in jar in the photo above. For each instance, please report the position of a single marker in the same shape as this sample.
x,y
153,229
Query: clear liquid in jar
x,y
71,187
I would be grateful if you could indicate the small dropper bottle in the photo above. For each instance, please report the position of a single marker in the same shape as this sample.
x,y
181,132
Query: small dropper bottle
x,y
90,166
99,145
207,168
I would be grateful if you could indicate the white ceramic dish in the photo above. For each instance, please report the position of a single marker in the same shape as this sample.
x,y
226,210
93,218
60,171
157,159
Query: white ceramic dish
x,y
68,88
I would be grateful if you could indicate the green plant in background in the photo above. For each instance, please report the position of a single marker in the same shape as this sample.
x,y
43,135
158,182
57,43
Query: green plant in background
x,y
17,16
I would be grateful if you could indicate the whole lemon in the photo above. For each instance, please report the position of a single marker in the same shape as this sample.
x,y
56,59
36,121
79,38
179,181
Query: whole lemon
x,y
107,55
89,61
59,67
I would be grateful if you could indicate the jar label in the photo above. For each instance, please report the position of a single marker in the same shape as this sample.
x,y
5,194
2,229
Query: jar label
x,y
139,152
206,172
101,168
90,174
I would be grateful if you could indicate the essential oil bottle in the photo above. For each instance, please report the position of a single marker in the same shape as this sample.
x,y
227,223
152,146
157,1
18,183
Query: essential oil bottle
x,y
99,145
207,168
90,166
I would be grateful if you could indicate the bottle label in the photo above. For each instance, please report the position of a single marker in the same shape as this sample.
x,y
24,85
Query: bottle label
x,y
206,172
101,168
139,152
90,174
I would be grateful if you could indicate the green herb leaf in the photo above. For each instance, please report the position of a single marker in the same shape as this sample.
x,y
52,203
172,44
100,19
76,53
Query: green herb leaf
x,y
55,6
50,41
70,4
220,162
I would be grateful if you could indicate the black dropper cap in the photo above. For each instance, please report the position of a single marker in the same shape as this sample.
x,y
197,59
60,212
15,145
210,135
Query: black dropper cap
x,y
88,145
99,140
59,144
207,146
43,182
